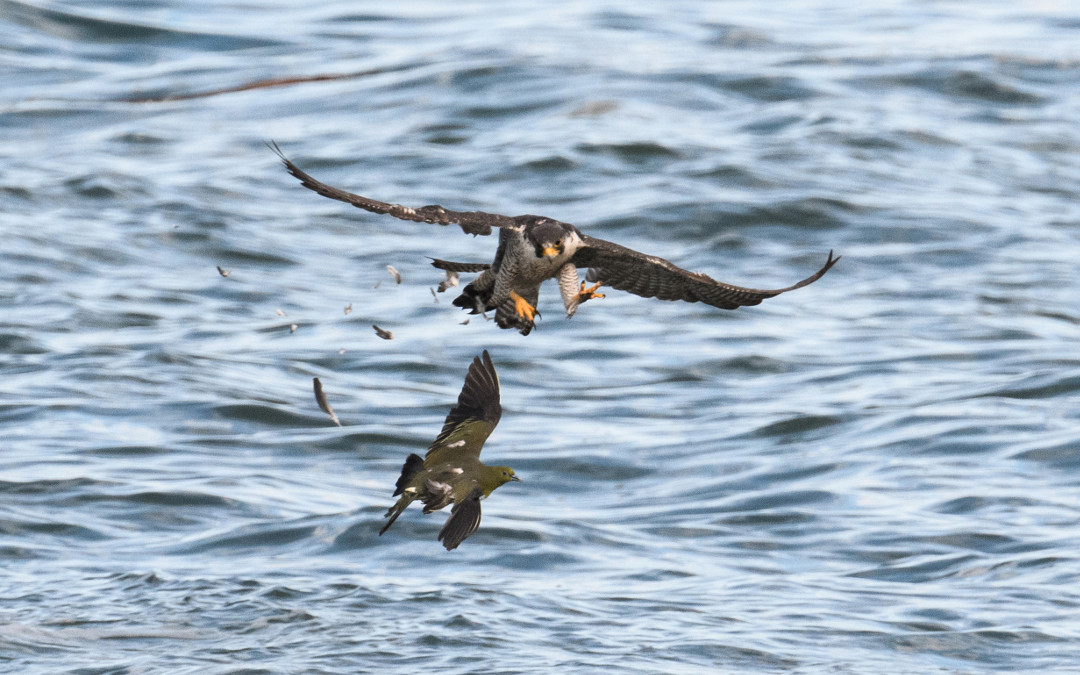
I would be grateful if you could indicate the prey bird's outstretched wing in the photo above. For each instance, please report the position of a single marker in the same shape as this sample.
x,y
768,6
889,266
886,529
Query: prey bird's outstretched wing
x,y
463,521
472,222
474,417
652,277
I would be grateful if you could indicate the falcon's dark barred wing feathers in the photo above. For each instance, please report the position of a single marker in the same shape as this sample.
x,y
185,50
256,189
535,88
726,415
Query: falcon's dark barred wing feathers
x,y
476,414
653,277
463,521
472,222
465,267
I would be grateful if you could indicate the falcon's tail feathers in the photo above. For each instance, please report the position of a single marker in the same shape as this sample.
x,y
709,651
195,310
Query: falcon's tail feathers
x,y
465,267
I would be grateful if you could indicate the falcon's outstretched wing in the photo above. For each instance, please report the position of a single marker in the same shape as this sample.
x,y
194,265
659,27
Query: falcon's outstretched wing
x,y
652,277
472,222
474,417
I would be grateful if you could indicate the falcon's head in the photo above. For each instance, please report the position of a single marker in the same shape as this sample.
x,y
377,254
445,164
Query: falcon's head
x,y
551,238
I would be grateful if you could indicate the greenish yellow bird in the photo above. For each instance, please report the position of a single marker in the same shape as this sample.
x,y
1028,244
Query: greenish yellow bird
x,y
451,472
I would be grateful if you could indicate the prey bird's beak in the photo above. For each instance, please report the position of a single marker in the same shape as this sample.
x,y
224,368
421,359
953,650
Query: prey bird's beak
x,y
550,252
515,479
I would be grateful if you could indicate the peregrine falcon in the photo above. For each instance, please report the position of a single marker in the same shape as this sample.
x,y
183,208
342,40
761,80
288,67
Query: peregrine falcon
x,y
451,472
533,249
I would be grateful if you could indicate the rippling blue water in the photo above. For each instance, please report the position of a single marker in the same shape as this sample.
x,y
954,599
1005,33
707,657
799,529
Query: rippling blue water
x,y
874,474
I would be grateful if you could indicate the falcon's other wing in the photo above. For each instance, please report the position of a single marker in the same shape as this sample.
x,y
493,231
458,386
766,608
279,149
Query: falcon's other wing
x,y
472,222
652,277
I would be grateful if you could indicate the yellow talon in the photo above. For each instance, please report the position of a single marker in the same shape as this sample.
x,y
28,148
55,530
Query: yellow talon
x,y
589,293
522,306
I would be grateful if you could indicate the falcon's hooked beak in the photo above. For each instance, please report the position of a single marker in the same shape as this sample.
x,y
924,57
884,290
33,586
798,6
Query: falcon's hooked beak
x,y
551,251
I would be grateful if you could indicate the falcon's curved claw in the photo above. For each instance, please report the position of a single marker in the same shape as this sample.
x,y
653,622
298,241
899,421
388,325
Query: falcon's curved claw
x,y
588,293
522,307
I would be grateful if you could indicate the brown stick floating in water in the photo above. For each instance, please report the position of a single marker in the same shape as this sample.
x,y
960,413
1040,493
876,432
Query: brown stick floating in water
x,y
266,83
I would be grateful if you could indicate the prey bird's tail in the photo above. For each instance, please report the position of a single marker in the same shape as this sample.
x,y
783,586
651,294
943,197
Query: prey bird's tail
x,y
414,464
394,511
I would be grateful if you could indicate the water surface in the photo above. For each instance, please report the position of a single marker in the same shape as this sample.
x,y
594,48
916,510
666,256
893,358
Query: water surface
x,y
877,473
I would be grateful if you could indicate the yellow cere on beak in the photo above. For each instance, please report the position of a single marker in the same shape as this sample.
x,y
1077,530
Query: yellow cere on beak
x,y
550,252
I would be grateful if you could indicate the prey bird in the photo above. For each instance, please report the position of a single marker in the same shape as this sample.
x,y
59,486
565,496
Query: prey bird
x,y
533,249
451,472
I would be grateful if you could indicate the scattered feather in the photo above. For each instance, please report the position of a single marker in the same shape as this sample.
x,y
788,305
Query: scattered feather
x,y
341,351
279,312
293,327
465,322
384,334
324,405
348,308
394,273
433,294
222,271
594,108
450,281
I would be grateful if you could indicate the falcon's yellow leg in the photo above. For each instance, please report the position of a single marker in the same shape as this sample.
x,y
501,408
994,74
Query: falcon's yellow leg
x,y
588,293
522,306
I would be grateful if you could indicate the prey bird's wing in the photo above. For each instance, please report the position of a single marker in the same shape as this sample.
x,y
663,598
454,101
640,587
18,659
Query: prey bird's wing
x,y
474,417
463,521
652,277
472,222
